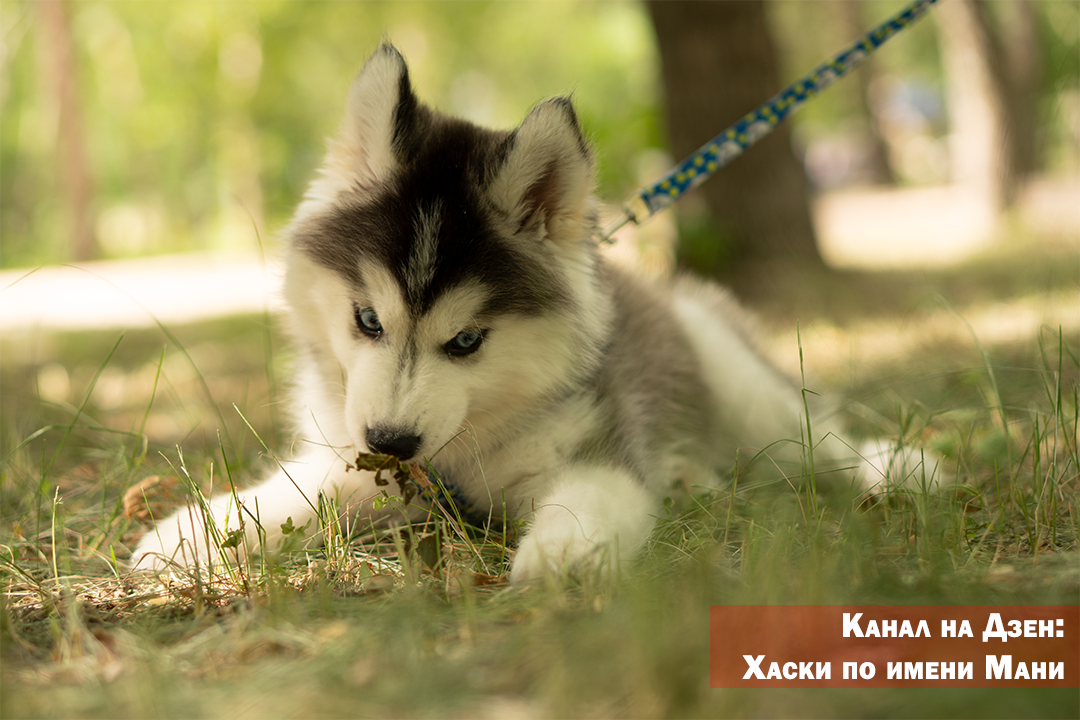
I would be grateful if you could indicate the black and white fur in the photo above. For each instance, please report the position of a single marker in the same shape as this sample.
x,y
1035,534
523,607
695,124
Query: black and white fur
x,y
450,303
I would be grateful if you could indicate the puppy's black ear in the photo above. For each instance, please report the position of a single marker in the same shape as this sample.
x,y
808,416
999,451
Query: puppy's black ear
x,y
545,180
379,117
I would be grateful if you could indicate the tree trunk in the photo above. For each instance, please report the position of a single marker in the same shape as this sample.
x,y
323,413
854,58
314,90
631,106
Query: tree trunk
x,y
75,181
718,64
1021,40
985,123
880,168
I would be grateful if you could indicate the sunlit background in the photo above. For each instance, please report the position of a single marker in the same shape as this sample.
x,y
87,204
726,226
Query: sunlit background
x,y
150,154
196,125
133,128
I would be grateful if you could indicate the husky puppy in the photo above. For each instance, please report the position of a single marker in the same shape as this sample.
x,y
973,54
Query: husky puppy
x,y
451,307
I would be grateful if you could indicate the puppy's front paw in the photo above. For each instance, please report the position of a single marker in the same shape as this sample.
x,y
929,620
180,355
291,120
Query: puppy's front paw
x,y
884,464
560,547
183,539
594,519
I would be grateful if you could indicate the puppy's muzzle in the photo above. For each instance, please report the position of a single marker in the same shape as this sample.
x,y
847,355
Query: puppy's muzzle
x,y
403,443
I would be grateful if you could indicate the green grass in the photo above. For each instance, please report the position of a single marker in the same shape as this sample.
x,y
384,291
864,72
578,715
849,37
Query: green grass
x,y
393,625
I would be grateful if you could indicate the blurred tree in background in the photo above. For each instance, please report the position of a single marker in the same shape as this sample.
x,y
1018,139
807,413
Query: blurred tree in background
x,y
204,121
992,70
130,128
719,62
61,79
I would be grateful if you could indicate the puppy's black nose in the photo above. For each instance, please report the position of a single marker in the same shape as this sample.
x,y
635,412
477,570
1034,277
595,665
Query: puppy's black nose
x,y
393,441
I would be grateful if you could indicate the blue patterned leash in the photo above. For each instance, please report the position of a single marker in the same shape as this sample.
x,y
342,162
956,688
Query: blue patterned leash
x,y
731,143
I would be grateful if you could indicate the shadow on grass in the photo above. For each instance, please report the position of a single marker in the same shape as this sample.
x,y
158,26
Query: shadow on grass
x,y
83,636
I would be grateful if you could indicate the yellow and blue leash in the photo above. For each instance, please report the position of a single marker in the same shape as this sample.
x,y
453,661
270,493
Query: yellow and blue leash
x,y
731,143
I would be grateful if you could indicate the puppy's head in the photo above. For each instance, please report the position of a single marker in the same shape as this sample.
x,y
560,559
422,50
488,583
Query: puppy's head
x,y
444,271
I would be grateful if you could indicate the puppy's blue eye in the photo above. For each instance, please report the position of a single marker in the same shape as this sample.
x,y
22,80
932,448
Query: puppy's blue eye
x,y
465,342
367,321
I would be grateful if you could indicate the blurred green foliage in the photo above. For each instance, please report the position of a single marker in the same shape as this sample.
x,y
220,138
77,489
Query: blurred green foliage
x,y
202,117
203,121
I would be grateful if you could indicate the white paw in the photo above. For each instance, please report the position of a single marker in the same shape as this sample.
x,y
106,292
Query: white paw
x,y
594,519
559,548
184,540
887,465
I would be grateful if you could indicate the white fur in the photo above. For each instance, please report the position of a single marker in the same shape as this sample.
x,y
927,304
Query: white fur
x,y
547,143
360,156
513,422
592,515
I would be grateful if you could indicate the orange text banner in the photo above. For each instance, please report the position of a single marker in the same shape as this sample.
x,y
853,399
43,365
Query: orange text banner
x,y
883,646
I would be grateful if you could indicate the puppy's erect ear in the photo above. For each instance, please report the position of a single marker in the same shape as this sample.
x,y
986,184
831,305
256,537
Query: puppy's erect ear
x,y
378,113
545,179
